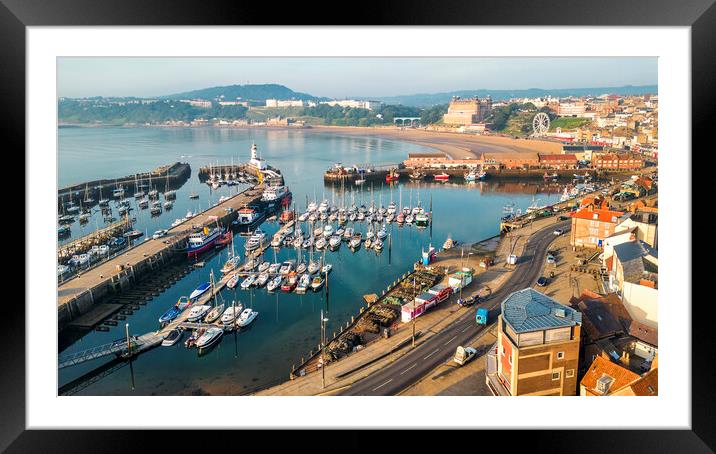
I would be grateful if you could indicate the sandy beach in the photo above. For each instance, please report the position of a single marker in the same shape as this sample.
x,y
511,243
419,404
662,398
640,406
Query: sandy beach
x,y
456,145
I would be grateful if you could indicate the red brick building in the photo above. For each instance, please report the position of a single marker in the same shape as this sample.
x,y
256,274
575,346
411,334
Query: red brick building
x,y
613,161
558,161
590,226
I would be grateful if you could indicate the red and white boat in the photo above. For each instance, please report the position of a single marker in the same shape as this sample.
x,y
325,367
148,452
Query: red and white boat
x,y
442,177
203,240
224,239
392,176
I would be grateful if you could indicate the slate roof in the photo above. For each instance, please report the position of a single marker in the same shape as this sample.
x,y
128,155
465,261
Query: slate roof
x,y
529,310
632,255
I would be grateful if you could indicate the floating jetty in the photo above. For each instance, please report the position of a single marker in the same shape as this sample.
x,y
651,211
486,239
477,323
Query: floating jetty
x,y
173,175
78,295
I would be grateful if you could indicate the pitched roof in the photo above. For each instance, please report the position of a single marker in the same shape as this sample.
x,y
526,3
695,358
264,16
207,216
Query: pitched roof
x,y
633,257
529,310
600,367
599,322
647,385
644,333
597,214
557,157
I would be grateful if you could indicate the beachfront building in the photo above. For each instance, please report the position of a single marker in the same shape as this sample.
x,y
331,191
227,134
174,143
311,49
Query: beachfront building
x,y
462,112
591,226
437,160
355,104
510,160
613,161
558,161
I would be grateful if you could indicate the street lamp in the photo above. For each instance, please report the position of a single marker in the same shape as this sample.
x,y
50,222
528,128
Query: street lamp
x,y
323,349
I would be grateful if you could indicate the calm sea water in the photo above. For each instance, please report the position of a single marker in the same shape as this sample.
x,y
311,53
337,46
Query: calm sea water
x,y
288,325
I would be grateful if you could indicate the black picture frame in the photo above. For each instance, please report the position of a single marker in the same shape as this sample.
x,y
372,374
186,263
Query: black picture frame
x,y
700,15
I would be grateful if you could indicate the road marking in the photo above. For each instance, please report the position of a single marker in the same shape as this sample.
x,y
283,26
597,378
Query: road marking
x,y
452,339
466,329
376,388
414,364
434,351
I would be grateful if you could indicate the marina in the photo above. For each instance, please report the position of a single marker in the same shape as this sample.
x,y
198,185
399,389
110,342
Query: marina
x,y
286,318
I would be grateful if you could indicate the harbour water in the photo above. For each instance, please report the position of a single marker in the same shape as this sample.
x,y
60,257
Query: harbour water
x,y
288,324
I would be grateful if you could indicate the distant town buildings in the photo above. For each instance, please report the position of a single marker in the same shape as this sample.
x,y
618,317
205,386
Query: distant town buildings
x,y
467,111
355,104
289,103
197,103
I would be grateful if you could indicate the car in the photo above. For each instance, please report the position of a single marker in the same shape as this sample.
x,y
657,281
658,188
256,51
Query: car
x,y
159,233
467,301
564,218
558,232
542,281
550,259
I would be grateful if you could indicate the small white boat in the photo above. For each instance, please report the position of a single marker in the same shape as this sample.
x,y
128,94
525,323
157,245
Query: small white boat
x,y
303,283
313,267
233,280
262,279
382,233
321,243
248,282
231,264
334,242
274,284
214,314
197,312
172,338
326,269
301,268
246,317
274,267
328,230
264,266
317,283
378,245
231,314
287,267
210,337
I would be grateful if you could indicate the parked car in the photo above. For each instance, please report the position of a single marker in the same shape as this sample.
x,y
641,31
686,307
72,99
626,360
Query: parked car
x,y
542,281
564,218
550,259
467,301
558,232
159,233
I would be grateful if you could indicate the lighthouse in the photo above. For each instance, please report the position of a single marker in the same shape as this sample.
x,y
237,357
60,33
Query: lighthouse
x,y
255,161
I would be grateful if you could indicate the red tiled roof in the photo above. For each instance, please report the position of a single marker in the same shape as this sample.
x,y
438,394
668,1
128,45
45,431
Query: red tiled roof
x,y
647,385
557,157
601,215
602,366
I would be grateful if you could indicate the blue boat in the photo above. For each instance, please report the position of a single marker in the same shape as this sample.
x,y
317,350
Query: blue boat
x,y
170,315
200,290
175,310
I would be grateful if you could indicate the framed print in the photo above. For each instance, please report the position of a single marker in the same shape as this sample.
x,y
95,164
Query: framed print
x,y
442,210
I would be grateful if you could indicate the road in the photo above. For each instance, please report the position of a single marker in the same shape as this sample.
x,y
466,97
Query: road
x,y
437,349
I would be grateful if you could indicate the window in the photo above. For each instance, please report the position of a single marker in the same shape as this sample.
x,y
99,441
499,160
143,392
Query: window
x,y
555,375
509,359
560,355
569,373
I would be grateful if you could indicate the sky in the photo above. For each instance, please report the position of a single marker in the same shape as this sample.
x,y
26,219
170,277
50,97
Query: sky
x,y
345,77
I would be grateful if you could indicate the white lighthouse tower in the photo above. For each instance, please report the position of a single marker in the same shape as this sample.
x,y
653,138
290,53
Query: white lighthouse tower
x,y
255,161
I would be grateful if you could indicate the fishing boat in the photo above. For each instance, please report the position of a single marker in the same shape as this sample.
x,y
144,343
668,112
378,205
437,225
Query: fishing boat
x,y
246,317
197,312
416,175
168,204
348,233
274,284
317,283
210,337
63,230
200,290
224,239
118,192
173,337
392,176
143,203
248,282
442,176
303,283
471,175
301,268
204,240
290,283
231,313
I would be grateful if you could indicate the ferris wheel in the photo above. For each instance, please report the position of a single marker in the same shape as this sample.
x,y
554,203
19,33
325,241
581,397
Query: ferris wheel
x,y
540,124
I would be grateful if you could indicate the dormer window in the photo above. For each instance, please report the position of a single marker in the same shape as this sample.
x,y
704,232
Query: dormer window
x,y
603,383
